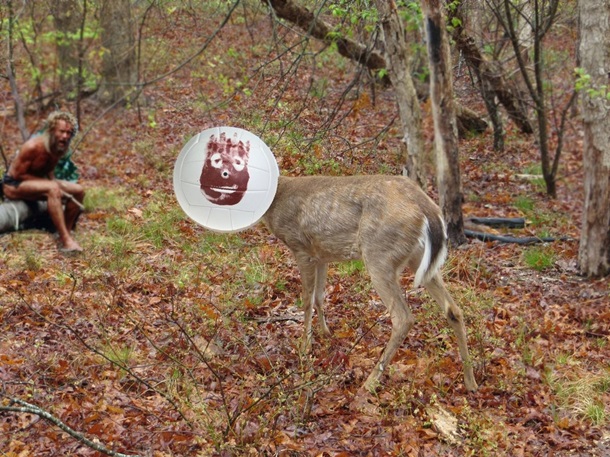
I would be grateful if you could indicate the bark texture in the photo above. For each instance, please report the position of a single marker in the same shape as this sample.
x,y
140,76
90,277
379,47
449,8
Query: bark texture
x,y
444,113
399,69
118,38
594,253
67,17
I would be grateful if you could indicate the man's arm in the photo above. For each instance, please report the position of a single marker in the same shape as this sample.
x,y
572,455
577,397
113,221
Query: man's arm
x,y
24,164
20,166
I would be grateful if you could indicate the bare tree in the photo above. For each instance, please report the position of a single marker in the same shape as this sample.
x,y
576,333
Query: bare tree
x,y
538,16
443,111
399,69
594,253
10,72
118,40
490,75
67,16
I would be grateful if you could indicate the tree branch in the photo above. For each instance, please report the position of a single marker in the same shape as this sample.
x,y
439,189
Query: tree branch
x,y
309,22
491,73
28,408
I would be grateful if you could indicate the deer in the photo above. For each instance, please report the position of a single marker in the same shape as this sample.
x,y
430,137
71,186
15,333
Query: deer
x,y
389,223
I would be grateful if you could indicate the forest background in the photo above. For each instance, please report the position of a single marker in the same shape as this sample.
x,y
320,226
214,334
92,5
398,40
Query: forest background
x,y
166,339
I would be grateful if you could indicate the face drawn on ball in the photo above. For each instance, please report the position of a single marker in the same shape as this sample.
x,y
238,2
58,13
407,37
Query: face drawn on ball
x,y
224,175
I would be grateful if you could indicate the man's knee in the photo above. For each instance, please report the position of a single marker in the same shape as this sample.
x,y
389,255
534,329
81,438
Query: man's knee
x,y
54,192
76,190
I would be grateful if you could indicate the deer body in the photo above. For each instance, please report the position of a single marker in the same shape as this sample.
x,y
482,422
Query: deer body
x,y
389,223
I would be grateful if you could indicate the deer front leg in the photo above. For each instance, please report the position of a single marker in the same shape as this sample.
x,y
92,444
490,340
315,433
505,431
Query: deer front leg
x,y
318,296
455,317
390,293
313,279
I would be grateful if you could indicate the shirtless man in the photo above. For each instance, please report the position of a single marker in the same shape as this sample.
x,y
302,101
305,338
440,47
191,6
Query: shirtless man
x,y
31,177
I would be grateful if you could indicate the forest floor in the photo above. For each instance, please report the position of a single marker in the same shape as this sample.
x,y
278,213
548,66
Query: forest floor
x,y
165,339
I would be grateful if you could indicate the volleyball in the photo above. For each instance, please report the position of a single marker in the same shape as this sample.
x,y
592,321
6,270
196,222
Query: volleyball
x,y
225,179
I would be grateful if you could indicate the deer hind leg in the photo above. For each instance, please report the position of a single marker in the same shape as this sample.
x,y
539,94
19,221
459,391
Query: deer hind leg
x,y
387,286
313,279
455,317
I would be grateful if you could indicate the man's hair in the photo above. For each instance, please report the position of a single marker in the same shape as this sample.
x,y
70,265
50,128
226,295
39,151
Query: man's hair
x,y
56,116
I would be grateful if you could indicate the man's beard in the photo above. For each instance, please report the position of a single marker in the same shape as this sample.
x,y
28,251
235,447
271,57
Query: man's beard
x,y
56,146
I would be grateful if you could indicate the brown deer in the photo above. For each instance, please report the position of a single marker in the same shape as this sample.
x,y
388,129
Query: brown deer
x,y
389,223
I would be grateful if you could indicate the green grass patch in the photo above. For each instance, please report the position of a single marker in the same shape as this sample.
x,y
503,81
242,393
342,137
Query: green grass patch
x,y
536,179
581,394
537,217
147,148
255,272
525,204
119,356
101,198
539,258
475,305
32,259
350,268
161,223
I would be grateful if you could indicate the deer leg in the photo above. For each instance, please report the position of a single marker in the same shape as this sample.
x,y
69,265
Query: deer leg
x,y
307,269
318,296
386,285
455,317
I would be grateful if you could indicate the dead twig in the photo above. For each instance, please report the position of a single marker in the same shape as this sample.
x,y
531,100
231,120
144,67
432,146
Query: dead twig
x,y
74,200
283,318
28,408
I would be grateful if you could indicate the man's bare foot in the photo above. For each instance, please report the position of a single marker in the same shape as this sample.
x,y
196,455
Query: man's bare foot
x,y
70,246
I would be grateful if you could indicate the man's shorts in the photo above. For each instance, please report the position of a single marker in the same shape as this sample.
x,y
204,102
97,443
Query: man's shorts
x,y
10,181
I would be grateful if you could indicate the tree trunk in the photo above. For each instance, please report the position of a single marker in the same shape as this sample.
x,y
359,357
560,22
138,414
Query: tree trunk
x,y
594,252
67,19
509,15
10,74
119,61
399,69
445,128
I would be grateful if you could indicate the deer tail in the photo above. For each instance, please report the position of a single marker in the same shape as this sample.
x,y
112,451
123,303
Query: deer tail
x,y
433,238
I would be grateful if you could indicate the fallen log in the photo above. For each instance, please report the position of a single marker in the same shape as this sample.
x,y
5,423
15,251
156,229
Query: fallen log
x,y
20,215
510,239
507,222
